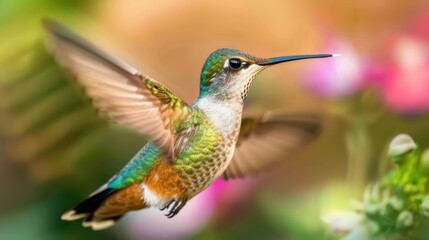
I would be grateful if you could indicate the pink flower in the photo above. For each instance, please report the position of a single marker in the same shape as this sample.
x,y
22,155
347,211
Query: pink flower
x,y
404,78
405,85
335,77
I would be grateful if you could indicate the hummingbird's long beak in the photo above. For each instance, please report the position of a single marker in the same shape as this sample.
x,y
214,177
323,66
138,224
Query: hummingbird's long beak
x,y
272,61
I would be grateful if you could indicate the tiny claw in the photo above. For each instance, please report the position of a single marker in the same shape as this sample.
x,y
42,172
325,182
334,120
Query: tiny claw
x,y
167,205
175,203
176,207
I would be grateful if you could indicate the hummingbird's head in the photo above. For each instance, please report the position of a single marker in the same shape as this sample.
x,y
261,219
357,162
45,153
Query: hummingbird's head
x,y
228,73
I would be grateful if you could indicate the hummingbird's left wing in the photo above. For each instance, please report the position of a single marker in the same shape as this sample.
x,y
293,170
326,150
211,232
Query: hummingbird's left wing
x,y
268,138
120,91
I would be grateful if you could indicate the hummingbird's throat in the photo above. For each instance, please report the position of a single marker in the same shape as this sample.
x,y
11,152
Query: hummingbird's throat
x,y
245,80
225,115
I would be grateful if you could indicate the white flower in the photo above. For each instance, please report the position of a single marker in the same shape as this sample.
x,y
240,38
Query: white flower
x,y
401,144
342,221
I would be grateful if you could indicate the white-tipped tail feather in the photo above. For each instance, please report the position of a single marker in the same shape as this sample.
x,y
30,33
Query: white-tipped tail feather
x,y
87,209
99,225
71,215
336,55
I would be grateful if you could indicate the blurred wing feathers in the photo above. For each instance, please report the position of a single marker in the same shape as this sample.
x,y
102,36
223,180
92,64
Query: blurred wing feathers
x,y
268,138
119,90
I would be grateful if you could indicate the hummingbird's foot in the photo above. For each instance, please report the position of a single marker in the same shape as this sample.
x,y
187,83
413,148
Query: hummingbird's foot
x,y
176,206
167,205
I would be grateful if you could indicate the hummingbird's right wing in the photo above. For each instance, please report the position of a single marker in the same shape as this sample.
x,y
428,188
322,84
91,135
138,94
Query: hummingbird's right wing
x,y
121,91
267,139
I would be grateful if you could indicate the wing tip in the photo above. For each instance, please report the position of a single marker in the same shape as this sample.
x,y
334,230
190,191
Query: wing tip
x,y
55,28
53,32
58,32
48,23
52,27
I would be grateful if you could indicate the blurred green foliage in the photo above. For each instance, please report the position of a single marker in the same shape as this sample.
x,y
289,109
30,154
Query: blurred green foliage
x,y
48,130
393,207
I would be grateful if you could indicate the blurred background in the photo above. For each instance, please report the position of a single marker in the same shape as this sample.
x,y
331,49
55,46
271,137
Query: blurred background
x,y
55,149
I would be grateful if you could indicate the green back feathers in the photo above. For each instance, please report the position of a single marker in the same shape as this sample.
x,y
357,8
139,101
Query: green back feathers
x,y
137,168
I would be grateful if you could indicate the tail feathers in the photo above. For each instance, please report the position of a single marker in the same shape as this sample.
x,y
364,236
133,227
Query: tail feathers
x,y
89,205
87,209
97,223
102,209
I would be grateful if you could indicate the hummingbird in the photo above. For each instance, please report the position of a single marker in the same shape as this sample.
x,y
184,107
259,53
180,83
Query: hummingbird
x,y
189,146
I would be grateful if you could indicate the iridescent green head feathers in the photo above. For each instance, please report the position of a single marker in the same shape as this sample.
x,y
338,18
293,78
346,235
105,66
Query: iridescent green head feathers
x,y
228,73
224,68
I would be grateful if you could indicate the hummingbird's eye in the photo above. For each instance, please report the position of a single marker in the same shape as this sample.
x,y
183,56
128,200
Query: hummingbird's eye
x,y
235,63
